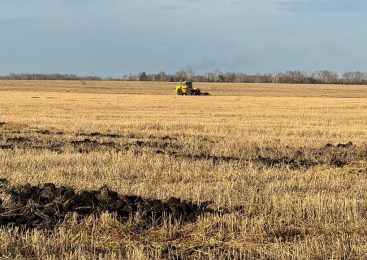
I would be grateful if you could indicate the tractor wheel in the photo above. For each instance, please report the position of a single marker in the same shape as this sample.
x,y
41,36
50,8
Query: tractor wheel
x,y
189,92
179,92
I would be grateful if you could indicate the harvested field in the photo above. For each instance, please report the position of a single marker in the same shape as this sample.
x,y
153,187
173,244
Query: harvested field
x,y
117,170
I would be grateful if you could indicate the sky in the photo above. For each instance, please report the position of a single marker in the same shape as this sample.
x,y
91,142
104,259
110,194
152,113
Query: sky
x,y
117,37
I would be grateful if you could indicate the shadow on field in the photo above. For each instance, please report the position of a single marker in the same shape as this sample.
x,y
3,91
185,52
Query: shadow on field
x,y
47,205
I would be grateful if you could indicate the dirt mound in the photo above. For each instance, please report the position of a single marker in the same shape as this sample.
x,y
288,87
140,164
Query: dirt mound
x,y
47,205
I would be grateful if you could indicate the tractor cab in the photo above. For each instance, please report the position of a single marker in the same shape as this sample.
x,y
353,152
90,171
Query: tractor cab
x,y
188,83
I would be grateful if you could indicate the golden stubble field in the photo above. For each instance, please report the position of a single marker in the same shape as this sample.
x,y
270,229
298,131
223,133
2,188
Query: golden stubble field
x,y
283,168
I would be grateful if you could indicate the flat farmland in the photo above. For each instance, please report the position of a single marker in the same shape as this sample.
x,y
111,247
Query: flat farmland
x,y
168,88
129,170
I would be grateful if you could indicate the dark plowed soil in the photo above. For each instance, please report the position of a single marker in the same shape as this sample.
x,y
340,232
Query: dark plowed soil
x,y
46,206
164,138
6,147
168,138
347,145
97,134
261,161
88,145
19,140
285,161
159,145
215,159
84,142
44,132
292,157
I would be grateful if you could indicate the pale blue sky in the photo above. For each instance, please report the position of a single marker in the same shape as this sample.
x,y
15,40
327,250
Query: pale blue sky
x,y
112,37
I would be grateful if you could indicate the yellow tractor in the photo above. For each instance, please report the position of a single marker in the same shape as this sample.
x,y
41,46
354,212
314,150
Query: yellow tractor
x,y
184,87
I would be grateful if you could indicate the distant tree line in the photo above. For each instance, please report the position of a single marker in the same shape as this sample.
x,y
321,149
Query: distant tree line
x,y
55,76
296,77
